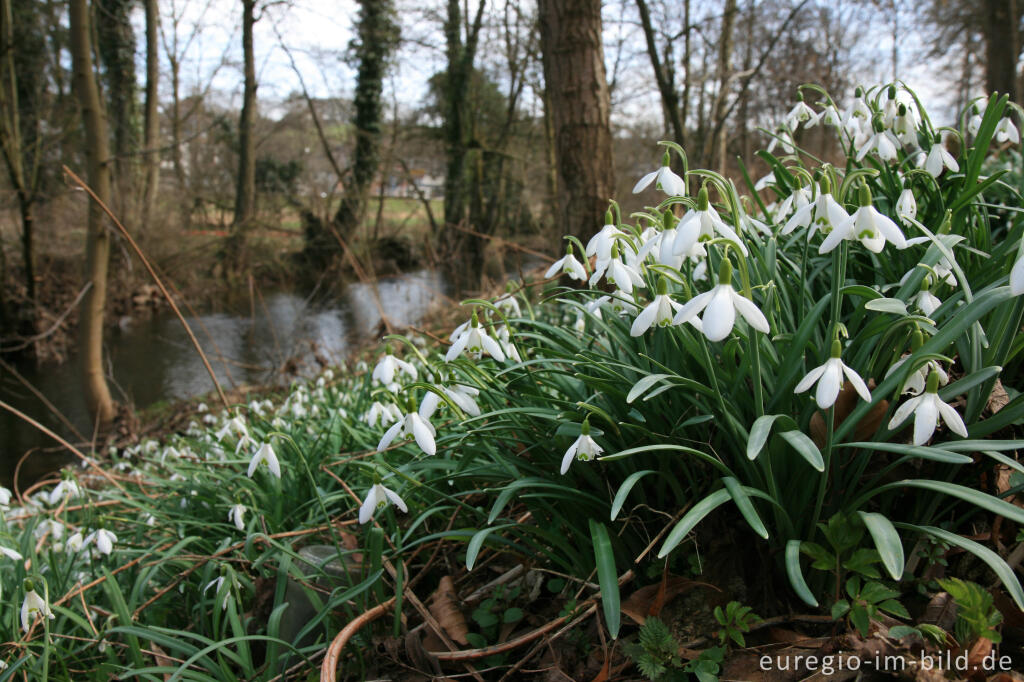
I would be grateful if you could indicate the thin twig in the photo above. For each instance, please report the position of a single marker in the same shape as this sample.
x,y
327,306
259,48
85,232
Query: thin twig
x,y
54,327
156,278
328,670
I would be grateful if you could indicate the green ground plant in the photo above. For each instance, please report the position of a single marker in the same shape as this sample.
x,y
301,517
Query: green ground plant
x,y
565,425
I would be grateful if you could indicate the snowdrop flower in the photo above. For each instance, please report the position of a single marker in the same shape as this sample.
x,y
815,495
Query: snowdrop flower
x,y
801,113
583,449
75,543
928,410
5,497
906,205
938,160
51,527
882,143
663,179
600,245
33,606
858,115
463,396
659,312
824,213
617,272
381,415
1006,131
378,498
66,488
925,299
104,540
202,407
720,306
1017,277
800,197
474,340
702,224
764,182
904,125
785,139
216,584
388,367
867,226
509,305
236,515
831,116
265,455
568,265
502,335
829,378
11,553
411,425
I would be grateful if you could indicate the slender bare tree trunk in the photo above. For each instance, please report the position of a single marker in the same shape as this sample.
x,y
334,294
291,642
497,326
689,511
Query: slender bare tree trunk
x,y
725,45
151,124
97,249
574,75
245,188
663,74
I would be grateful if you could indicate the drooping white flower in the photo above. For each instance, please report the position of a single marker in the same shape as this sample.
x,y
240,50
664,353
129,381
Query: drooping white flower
x,y
858,115
380,414
568,265
76,542
938,160
600,245
103,539
11,553
463,396
504,339
658,312
703,224
663,179
883,143
868,226
1017,277
801,113
829,378
618,273
928,410
904,124
798,198
265,455
783,138
1006,131
584,449
217,584
236,515
378,498
824,214
33,606
927,301
906,205
388,367
414,426
5,497
474,341
508,305
720,306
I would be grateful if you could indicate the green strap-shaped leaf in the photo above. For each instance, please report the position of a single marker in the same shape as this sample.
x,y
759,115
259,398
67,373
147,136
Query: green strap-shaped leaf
x,y
477,542
975,497
806,448
936,453
607,576
642,386
759,432
627,485
796,575
887,540
746,507
994,561
692,518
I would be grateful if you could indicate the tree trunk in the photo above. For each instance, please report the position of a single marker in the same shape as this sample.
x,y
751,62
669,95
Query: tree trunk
x,y
1001,46
377,37
151,124
725,44
117,53
573,55
97,249
245,188
663,75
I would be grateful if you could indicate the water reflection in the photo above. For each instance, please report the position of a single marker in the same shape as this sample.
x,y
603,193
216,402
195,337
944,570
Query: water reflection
x,y
153,360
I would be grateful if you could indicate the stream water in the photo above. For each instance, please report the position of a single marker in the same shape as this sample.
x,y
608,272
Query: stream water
x,y
152,360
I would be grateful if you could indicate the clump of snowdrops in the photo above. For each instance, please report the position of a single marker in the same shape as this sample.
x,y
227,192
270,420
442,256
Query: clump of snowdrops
x,y
813,352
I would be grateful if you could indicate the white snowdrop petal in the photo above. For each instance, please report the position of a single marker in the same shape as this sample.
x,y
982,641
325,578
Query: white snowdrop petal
x,y
720,314
925,418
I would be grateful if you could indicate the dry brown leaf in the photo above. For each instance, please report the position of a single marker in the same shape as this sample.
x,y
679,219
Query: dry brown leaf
x,y
444,606
976,654
160,656
941,611
1003,483
845,404
998,399
644,602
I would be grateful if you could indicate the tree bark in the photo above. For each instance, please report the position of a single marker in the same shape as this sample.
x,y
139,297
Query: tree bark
x,y
725,45
116,50
245,188
663,75
377,38
574,74
151,123
1000,19
97,249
